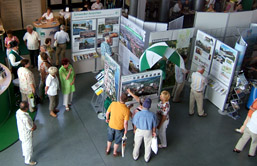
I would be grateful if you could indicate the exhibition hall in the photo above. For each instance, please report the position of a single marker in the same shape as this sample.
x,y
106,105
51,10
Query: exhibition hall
x,y
87,82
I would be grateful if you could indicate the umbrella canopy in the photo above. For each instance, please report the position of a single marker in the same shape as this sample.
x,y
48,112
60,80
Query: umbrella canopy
x,y
173,56
152,55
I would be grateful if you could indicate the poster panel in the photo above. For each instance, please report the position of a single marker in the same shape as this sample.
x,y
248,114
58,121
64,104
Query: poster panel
x,y
224,60
108,26
203,51
142,84
31,10
132,37
111,78
93,14
177,23
83,35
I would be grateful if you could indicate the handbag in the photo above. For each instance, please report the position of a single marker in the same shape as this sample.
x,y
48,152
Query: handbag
x,y
55,43
154,145
31,100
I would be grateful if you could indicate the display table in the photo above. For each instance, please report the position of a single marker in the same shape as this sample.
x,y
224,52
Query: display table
x,y
46,29
2,31
4,95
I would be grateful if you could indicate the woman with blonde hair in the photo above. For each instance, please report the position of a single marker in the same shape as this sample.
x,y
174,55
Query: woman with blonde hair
x,y
51,89
163,109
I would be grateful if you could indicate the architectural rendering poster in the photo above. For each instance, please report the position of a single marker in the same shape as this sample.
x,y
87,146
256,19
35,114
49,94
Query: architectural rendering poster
x,y
111,78
142,84
203,51
224,62
108,26
83,35
133,37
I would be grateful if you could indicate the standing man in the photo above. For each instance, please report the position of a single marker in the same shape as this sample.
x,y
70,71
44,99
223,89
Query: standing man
x,y
26,83
105,46
118,123
97,5
25,128
62,38
14,57
32,41
144,128
197,88
180,77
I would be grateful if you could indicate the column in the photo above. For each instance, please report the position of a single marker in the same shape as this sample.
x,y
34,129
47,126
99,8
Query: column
x,y
199,5
164,10
133,8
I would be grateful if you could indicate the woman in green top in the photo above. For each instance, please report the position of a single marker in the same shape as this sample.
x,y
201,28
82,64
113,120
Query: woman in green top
x,y
67,78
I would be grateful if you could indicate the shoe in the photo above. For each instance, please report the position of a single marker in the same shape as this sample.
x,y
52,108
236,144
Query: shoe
x,y
161,146
203,115
56,111
135,158
147,160
117,154
238,131
191,114
236,150
67,108
31,163
53,114
107,152
250,155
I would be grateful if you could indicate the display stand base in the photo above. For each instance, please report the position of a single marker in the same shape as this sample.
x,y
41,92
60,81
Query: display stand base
x,y
101,116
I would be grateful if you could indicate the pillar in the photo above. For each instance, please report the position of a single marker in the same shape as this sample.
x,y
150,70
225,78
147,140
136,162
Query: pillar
x,y
199,5
133,8
164,10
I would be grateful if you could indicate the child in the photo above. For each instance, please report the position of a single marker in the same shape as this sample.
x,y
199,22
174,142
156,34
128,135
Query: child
x,y
163,109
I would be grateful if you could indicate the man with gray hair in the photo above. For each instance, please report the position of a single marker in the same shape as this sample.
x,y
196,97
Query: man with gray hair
x,y
105,46
61,37
25,129
32,41
197,88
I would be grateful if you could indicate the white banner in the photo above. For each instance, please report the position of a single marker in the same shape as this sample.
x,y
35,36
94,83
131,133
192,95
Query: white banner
x,y
93,14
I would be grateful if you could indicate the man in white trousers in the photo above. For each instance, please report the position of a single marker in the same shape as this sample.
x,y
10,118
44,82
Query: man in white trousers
x,y
144,128
25,128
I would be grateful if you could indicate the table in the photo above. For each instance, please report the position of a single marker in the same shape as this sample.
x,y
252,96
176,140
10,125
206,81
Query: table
x,y
4,95
46,29
2,31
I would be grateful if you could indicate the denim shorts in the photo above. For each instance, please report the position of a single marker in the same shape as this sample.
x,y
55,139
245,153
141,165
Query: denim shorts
x,y
115,135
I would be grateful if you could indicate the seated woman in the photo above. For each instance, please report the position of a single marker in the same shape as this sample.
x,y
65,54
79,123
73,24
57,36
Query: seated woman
x,y
48,15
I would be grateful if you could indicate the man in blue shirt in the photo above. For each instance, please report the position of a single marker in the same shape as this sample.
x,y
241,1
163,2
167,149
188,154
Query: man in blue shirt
x,y
105,46
144,128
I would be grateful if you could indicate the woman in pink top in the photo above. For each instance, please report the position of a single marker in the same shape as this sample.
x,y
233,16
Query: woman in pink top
x,y
8,39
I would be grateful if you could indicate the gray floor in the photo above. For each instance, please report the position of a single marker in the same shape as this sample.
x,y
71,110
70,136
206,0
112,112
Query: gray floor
x,y
78,137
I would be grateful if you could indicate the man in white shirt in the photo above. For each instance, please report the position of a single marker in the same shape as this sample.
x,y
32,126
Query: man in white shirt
x,y
25,128
180,77
32,41
97,5
62,38
177,7
197,88
249,132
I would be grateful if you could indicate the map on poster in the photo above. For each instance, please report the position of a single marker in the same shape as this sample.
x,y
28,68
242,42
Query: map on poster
x,y
83,35
203,51
142,84
183,37
111,78
223,64
132,37
108,26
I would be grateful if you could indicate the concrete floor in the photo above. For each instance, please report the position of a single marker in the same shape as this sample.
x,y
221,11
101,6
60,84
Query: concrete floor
x,y
78,137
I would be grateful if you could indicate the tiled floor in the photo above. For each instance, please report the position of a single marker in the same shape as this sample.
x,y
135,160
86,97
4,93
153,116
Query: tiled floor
x,y
78,137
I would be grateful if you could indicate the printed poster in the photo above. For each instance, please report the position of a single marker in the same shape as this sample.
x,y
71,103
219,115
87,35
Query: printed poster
x,y
224,61
203,51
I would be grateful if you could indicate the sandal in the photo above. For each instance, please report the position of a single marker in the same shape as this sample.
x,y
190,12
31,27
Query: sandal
x,y
238,131
67,108
236,150
160,146
117,154
203,115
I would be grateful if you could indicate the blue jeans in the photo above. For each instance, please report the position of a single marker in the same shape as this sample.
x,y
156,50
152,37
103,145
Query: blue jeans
x,y
115,135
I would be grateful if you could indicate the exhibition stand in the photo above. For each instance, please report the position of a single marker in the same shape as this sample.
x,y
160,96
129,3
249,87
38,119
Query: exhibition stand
x,y
46,29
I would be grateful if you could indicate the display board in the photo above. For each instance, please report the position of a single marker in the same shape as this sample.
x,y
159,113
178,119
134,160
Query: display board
x,y
177,23
221,74
132,37
88,29
10,10
145,84
112,75
203,50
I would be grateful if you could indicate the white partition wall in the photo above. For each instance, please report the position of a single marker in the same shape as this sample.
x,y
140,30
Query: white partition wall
x,y
254,16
